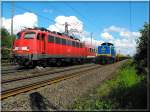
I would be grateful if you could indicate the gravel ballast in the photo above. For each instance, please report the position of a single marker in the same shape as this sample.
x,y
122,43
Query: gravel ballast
x,y
60,95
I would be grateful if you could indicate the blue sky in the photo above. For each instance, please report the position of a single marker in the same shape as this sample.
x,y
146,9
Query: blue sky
x,y
95,16
101,14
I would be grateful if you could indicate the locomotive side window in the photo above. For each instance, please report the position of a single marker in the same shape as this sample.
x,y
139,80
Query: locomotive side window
x,y
69,43
50,38
77,44
66,42
73,43
80,45
60,40
57,40
63,41
29,35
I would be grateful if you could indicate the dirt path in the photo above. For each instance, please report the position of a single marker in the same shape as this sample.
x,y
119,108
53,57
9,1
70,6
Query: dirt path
x,y
60,95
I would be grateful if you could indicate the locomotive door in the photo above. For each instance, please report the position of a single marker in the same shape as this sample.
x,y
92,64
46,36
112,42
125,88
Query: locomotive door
x,y
41,43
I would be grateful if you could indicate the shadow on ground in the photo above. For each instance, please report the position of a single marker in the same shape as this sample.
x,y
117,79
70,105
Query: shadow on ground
x,y
39,103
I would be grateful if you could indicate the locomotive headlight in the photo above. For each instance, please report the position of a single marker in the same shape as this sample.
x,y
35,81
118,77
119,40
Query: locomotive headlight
x,y
25,48
16,48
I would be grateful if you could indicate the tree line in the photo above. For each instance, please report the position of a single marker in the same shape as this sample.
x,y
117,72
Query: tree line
x,y
142,50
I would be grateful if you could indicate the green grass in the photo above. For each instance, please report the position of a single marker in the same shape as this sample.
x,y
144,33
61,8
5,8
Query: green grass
x,y
126,90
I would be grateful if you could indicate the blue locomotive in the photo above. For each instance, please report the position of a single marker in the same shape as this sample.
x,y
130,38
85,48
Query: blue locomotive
x,y
106,53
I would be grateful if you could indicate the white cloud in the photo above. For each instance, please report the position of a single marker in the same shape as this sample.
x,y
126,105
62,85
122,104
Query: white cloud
x,y
124,46
125,42
136,34
123,32
75,25
106,35
20,21
86,38
129,34
114,29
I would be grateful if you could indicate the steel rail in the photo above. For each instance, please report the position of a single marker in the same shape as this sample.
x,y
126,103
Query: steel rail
x,y
43,74
18,90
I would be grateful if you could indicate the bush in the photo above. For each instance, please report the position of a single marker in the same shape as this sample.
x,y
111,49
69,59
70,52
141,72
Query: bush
x,y
125,91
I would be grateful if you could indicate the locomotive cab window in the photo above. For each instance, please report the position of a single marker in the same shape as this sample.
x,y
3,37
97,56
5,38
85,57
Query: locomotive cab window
x,y
29,35
18,35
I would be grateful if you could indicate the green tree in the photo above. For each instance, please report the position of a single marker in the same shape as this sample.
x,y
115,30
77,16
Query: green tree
x,y
6,43
142,49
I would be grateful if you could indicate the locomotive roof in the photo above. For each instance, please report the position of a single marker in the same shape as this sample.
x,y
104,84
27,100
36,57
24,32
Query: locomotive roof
x,y
109,44
53,32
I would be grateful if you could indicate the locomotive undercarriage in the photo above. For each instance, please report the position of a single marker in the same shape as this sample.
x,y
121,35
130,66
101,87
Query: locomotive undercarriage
x,y
105,60
35,60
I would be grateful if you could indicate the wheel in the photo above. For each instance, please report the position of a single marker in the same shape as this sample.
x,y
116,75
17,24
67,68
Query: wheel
x,y
30,64
59,63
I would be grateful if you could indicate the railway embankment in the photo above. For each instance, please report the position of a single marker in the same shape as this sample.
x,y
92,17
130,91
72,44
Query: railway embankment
x,y
61,95
126,90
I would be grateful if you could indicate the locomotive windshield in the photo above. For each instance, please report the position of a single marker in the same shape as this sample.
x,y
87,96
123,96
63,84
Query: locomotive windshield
x,y
109,44
29,35
18,35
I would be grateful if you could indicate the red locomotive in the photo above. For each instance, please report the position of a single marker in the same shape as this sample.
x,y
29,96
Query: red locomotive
x,y
39,46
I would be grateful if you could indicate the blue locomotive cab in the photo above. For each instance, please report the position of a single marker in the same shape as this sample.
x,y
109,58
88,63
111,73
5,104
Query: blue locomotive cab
x,y
106,53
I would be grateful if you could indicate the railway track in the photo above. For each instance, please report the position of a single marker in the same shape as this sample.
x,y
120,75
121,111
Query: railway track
x,y
35,74
8,64
16,69
57,76
11,69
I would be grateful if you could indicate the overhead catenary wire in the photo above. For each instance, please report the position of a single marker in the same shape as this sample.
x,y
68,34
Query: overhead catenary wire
x,y
81,15
74,26
39,15
76,11
46,18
